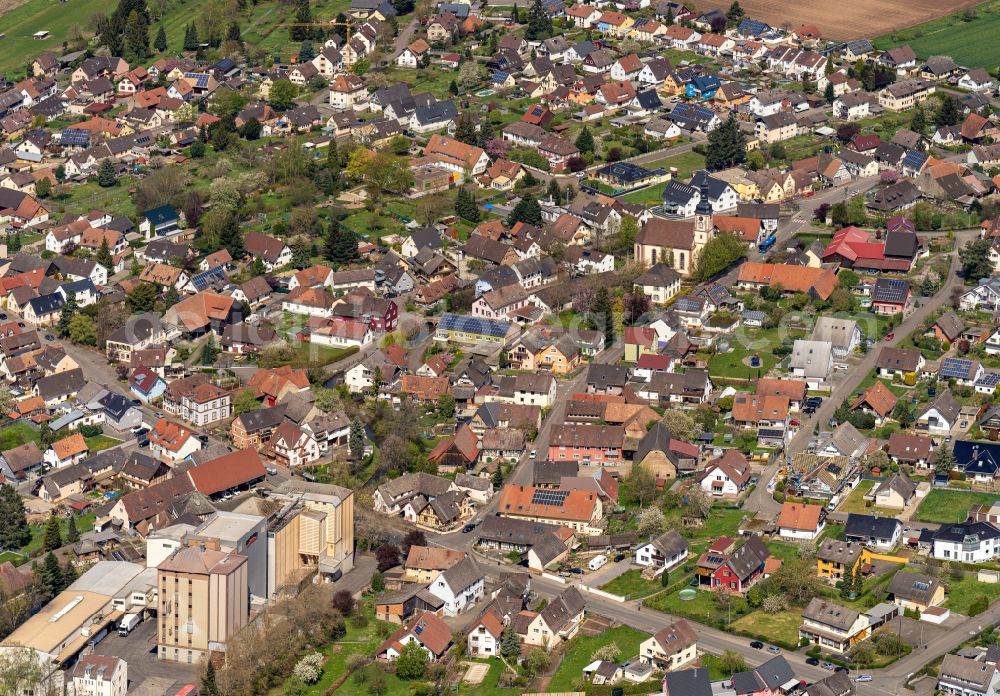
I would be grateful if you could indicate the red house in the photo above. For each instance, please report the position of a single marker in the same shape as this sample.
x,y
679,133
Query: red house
x,y
737,571
380,314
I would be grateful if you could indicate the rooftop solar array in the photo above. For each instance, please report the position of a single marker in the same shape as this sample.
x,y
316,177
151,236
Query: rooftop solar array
x,y
955,367
989,379
548,497
890,290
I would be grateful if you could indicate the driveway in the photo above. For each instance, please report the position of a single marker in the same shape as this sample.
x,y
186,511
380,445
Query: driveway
x,y
138,649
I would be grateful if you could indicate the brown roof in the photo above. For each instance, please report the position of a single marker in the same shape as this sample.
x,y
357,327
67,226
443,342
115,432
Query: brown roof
x,y
676,637
573,435
149,502
799,516
424,388
432,558
821,281
750,408
262,245
794,389
198,311
228,471
517,501
69,446
169,435
256,288
428,629
671,234
878,397
910,447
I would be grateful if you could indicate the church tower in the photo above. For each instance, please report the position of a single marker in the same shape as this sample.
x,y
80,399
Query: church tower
x,y
703,225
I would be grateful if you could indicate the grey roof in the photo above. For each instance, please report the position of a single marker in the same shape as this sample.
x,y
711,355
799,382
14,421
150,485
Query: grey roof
x,y
420,482
563,609
687,682
670,543
870,527
915,587
463,574
967,674
946,405
812,357
551,473
657,439
951,326
263,418
602,376
901,483
834,330
837,684
771,675
61,384
508,530
848,441
747,558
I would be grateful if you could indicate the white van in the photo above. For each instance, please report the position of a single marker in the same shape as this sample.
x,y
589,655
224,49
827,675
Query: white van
x,y
597,562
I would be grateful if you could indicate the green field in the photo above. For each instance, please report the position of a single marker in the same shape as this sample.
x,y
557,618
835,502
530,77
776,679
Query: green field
x,y
101,442
16,435
580,649
946,507
632,585
961,594
776,628
970,43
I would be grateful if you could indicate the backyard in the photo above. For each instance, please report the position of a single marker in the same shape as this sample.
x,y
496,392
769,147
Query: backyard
x,y
101,442
963,593
579,653
15,435
855,502
781,628
632,585
35,545
948,507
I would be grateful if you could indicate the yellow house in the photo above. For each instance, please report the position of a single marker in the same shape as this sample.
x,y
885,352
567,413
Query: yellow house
x,y
745,188
835,559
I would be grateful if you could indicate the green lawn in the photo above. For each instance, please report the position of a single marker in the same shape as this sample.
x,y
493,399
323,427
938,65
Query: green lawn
x,y
686,162
745,343
631,584
970,43
776,628
702,607
961,594
945,506
16,435
34,547
856,500
490,684
101,442
723,521
579,653
783,550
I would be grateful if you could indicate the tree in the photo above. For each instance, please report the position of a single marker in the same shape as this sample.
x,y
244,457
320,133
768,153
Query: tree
x,y
301,253
539,22
104,257
191,42
943,460
651,522
735,13
72,533
282,94
50,575
52,539
68,310
303,17
208,685
527,211
535,661
160,43
234,34
43,187
903,413
918,122
378,582
609,651
510,644
585,141
604,314
731,662
82,330
446,406
414,537
412,662
634,306
726,146
251,129
231,237
379,172
828,93
465,205
721,252
698,503
465,129
948,113
106,177
14,529
343,601
641,483
356,438
340,246
386,557
171,298
975,259
245,401
306,52
681,426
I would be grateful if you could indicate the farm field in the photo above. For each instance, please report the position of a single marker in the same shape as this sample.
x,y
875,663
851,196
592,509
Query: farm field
x,y
971,43
851,19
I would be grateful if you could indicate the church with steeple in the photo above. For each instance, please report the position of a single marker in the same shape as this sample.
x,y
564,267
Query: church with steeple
x,y
677,243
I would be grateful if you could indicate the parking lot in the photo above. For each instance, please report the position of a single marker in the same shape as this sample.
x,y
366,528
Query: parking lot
x,y
138,649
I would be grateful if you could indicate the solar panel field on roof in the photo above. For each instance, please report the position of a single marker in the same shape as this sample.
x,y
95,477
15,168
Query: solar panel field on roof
x,y
989,379
955,367
890,290
548,497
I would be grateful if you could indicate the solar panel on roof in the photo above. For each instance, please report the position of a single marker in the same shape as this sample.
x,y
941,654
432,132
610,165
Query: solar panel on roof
x,y
548,497
891,290
989,379
955,367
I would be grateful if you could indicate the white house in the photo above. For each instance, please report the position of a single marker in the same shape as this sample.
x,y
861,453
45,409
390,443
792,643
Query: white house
x,y
670,648
812,361
968,542
484,635
534,389
100,675
801,521
666,551
459,587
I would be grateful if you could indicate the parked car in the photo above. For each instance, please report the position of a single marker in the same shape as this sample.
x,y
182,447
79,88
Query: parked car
x,y
756,644
812,661
827,665
468,528
845,670
49,337
576,571
774,649
863,678
891,335
619,558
